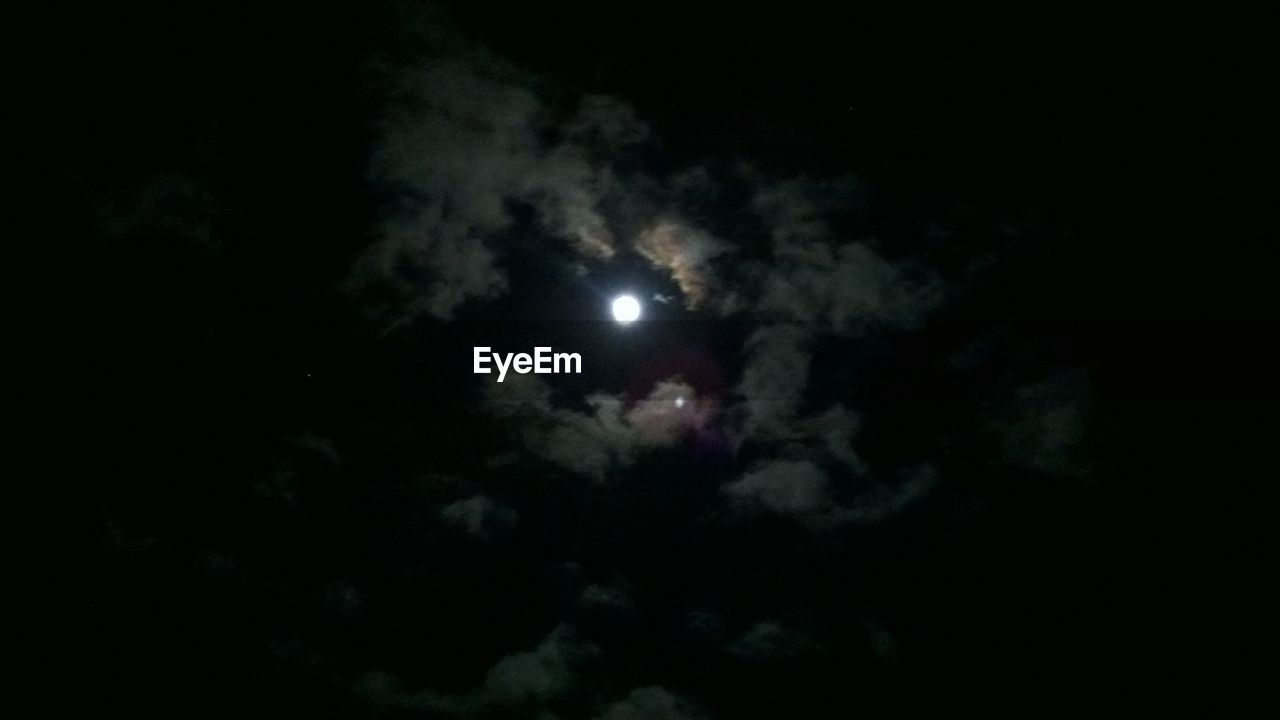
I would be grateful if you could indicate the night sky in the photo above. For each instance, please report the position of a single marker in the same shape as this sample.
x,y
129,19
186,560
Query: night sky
x,y
862,441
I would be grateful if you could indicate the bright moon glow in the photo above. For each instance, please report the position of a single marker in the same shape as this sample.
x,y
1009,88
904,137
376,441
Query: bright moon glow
x,y
626,309
679,402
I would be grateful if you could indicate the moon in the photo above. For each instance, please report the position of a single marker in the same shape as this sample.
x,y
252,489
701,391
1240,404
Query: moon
x,y
626,309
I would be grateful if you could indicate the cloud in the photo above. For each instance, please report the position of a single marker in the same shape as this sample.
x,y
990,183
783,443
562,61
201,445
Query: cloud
x,y
603,124
814,285
773,380
616,597
301,464
800,209
835,429
520,396
342,597
479,516
1044,426
686,253
452,138
801,490
705,623
463,136
586,443
415,270
797,488
770,640
883,500
841,289
522,680
670,411
604,437
651,703
540,674
816,275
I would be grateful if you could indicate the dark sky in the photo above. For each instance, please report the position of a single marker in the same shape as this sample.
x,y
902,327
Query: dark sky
x,y
865,437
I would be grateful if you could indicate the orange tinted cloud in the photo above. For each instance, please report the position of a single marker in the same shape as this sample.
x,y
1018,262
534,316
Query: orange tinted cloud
x,y
685,253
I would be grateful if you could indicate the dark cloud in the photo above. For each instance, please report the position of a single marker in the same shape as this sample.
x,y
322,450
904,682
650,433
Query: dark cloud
x,y
478,515
588,443
802,490
813,285
834,284
816,285
342,597
883,499
797,488
1047,426
302,464
605,436
466,135
540,674
614,597
705,623
835,429
770,640
774,380
842,289
521,681
651,703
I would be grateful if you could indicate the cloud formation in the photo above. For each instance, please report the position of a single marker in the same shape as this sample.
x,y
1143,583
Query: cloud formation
x,y
464,137
478,515
686,253
842,289
519,681
1045,426
770,640
798,488
614,597
604,437
651,703
671,410
540,674
803,491
774,380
